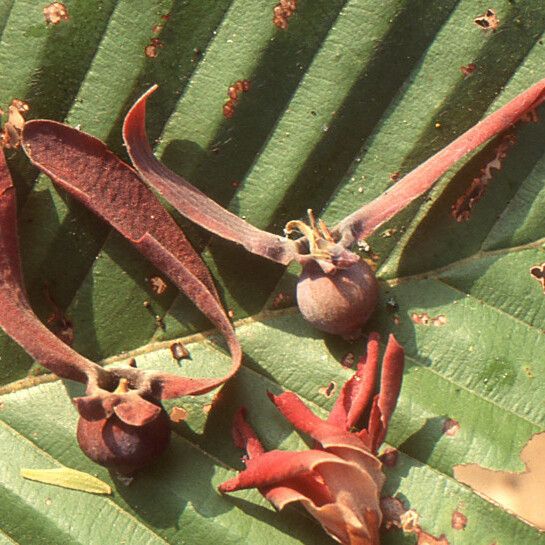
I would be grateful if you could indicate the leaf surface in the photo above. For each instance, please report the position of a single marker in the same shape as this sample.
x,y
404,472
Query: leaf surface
x,y
350,94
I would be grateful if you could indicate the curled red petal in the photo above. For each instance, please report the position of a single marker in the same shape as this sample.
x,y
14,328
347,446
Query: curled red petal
x,y
17,318
390,385
277,466
356,392
367,219
244,435
191,202
88,170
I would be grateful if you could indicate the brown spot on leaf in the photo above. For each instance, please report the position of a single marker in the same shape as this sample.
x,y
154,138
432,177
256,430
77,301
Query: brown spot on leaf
x,y
468,69
488,21
158,285
425,319
451,427
179,351
518,492
389,457
461,209
178,414
394,177
328,390
392,511
152,49
410,523
55,12
233,92
207,408
538,272
459,520
282,12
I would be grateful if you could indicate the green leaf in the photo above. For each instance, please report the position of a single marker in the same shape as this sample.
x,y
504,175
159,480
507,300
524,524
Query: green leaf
x,y
351,93
67,478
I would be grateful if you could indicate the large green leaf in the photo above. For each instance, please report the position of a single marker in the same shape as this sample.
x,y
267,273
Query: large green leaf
x,y
352,92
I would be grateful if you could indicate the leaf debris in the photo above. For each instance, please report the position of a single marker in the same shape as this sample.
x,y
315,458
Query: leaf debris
x,y
66,477
488,21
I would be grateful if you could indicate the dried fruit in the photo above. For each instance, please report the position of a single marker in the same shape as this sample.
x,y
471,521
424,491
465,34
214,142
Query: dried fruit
x,y
339,481
323,253
122,423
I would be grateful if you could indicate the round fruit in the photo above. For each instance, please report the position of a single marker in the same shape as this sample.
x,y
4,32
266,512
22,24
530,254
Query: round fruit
x,y
339,302
113,443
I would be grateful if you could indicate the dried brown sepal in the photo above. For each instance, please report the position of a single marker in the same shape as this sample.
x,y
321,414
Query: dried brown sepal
x,y
191,202
367,219
84,167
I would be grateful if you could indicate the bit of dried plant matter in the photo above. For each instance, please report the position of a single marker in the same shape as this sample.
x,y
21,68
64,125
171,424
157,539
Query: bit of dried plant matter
x,y
158,285
461,209
122,422
488,21
425,319
392,511
179,351
339,481
11,133
55,12
324,253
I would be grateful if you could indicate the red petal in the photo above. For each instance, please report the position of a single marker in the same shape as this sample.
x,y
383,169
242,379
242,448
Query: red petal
x,y
244,435
276,467
191,202
371,216
356,393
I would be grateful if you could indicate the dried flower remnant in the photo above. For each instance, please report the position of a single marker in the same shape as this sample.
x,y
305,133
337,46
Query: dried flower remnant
x,y
459,521
538,272
55,12
339,481
488,21
282,12
461,209
233,92
468,69
122,423
337,291
425,319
